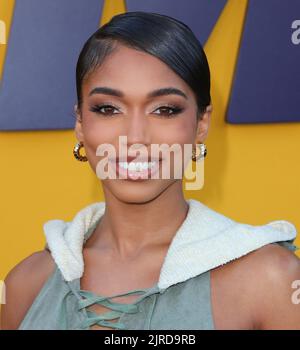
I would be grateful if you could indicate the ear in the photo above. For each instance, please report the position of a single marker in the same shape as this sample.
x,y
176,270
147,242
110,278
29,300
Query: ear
x,y
78,124
203,125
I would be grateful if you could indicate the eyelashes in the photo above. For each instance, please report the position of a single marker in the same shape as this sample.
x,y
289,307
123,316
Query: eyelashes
x,y
168,110
99,109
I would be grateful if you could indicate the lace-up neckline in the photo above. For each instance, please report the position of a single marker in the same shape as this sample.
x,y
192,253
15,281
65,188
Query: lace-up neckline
x,y
87,298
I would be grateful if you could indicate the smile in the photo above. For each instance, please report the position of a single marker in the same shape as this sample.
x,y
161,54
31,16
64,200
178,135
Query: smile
x,y
137,166
135,170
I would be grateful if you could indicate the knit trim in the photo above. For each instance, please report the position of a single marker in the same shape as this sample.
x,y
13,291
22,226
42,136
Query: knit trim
x,y
206,239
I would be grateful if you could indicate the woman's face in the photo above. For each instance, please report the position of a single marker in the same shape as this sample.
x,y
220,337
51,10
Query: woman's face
x,y
144,119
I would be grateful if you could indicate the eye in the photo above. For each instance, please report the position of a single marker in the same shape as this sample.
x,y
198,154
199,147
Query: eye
x,y
109,110
104,109
169,110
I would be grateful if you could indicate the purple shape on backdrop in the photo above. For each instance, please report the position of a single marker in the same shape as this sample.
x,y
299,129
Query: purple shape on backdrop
x,y
266,86
38,88
200,15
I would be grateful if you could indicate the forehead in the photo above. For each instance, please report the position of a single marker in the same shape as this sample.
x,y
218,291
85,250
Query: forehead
x,y
132,70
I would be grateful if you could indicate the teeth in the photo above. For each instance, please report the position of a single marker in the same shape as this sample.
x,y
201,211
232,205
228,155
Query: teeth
x,y
137,166
123,165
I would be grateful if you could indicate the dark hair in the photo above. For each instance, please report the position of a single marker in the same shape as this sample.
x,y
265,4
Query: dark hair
x,y
162,36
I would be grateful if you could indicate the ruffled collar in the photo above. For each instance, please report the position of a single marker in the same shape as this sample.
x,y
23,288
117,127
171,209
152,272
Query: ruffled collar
x,y
206,239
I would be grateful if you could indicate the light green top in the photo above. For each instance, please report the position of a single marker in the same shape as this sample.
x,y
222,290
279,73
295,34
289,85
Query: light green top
x,y
180,300
63,305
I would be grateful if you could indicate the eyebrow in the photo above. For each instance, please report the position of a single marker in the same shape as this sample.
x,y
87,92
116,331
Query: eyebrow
x,y
155,93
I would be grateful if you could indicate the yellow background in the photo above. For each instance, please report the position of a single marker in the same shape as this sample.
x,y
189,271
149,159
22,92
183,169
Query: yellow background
x,y
252,172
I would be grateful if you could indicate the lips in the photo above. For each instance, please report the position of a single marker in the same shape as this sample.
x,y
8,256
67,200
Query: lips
x,y
138,159
132,174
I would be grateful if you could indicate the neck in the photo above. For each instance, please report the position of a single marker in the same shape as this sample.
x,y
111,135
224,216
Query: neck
x,y
127,228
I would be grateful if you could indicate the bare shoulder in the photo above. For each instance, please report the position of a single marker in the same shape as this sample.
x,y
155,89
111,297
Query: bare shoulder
x,y
261,284
278,275
22,285
271,265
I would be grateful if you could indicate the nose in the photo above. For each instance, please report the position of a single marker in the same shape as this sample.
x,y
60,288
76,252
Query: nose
x,y
137,130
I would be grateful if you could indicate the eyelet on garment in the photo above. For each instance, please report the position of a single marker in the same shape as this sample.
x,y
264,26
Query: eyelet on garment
x,y
150,314
63,312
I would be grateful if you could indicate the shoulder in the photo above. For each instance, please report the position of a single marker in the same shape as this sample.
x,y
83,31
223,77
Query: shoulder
x,y
278,261
273,265
22,285
264,284
278,269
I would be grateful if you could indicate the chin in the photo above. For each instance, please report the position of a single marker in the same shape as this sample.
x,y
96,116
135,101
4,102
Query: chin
x,y
136,192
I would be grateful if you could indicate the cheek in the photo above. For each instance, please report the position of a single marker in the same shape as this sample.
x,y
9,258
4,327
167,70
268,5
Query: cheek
x,y
181,132
97,132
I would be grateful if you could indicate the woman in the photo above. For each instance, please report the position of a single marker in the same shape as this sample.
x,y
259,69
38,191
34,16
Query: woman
x,y
172,263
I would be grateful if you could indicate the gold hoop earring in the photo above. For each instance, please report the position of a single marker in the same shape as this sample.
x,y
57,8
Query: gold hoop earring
x,y
202,150
76,152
